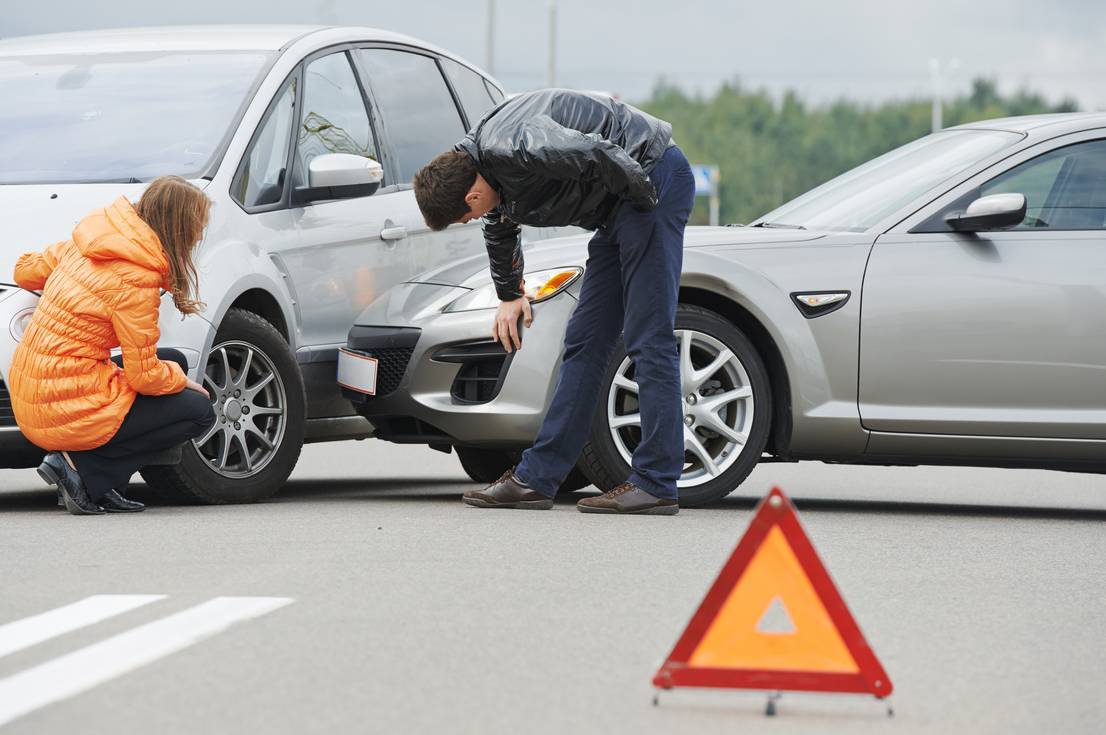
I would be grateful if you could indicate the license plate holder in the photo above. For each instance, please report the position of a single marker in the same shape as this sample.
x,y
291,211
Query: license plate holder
x,y
357,372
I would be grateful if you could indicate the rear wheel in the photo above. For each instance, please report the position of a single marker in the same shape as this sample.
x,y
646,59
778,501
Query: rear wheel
x,y
488,465
257,391
727,411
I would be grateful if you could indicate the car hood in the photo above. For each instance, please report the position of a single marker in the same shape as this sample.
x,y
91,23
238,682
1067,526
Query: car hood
x,y
559,252
37,215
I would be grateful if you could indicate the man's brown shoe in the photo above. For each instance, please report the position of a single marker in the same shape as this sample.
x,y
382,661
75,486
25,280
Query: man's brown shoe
x,y
507,493
629,498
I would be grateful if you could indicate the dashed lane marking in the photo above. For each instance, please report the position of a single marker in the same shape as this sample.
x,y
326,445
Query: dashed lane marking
x,y
27,632
76,672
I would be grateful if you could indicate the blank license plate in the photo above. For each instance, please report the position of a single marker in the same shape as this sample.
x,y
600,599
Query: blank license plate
x,y
357,372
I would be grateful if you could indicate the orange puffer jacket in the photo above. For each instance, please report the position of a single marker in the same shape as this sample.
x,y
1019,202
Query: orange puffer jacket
x,y
100,290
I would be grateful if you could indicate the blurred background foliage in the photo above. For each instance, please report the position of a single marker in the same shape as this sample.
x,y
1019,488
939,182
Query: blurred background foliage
x,y
770,150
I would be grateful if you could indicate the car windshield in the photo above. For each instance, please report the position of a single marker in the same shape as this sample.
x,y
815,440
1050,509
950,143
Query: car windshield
x,y
860,198
119,116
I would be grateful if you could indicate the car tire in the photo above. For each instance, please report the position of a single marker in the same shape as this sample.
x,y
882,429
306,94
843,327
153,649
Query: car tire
x,y
485,466
249,471
605,459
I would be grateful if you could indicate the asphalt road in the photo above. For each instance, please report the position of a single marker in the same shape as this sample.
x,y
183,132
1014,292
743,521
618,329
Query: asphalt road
x,y
387,606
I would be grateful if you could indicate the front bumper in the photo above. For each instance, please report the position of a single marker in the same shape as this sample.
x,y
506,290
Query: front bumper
x,y
442,380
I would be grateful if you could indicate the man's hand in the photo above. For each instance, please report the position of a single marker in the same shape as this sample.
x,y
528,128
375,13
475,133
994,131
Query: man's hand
x,y
505,326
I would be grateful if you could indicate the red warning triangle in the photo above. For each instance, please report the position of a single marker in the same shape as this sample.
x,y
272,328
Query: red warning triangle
x,y
774,620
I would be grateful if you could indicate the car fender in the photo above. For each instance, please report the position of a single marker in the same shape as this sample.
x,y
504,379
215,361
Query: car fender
x,y
226,271
819,355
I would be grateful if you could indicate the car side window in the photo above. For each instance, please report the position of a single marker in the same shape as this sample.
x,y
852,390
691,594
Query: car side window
x,y
1064,189
261,177
334,116
418,110
470,87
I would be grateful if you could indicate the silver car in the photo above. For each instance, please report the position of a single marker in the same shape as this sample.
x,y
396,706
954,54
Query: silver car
x,y
305,138
944,303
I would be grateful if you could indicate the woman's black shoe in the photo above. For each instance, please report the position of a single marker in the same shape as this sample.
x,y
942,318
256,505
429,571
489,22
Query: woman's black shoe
x,y
56,471
54,460
113,502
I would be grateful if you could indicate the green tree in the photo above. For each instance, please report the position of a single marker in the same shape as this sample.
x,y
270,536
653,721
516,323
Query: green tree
x,y
769,151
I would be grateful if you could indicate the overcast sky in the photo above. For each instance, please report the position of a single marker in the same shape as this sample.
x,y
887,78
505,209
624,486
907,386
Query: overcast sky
x,y
863,49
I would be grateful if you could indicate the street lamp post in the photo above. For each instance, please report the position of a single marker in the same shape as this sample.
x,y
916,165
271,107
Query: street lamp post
x,y
489,44
936,117
551,60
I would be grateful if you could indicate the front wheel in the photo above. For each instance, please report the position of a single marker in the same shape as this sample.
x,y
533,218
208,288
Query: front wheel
x,y
257,392
727,406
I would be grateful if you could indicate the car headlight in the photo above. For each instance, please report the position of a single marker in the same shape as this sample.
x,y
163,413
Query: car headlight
x,y
20,322
540,285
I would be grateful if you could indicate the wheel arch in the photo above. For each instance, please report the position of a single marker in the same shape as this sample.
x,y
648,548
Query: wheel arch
x,y
699,295
265,305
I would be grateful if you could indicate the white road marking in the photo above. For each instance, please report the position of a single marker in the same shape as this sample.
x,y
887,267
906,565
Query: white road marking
x,y
20,634
81,670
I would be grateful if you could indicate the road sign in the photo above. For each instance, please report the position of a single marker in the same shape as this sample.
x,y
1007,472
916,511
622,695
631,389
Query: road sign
x,y
706,184
706,179
774,620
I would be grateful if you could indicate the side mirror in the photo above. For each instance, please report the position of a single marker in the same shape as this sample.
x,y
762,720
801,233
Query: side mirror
x,y
340,176
994,212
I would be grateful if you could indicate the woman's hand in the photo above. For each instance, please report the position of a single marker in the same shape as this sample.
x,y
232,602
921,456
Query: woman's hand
x,y
505,326
193,385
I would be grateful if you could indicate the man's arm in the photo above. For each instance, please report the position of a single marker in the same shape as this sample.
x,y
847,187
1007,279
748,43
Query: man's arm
x,y
501,237
568,154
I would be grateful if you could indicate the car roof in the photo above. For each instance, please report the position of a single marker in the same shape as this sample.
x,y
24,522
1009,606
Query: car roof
x,y
1057,123
185,38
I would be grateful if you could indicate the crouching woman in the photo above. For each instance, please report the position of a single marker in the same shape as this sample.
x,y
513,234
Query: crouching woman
x,y
101,419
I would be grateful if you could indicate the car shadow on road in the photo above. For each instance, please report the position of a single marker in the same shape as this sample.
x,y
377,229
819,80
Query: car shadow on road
x,y
372,488
913,507
448,490
28,500
393,489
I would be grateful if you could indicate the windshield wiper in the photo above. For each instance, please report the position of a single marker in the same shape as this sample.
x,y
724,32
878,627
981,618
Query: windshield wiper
x,y
779,225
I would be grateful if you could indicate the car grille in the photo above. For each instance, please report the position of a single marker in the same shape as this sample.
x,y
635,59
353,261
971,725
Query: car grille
x,y
7,417
478,382
391,346
390,368
483,369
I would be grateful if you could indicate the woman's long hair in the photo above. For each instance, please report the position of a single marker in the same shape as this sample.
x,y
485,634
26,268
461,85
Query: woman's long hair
x,y
177,212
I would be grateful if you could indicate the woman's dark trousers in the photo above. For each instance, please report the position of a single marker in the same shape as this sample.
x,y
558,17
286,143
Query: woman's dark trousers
x,y
154,424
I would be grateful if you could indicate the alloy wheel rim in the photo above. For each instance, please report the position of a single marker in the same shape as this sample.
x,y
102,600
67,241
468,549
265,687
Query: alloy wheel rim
x,y
250,410
717,403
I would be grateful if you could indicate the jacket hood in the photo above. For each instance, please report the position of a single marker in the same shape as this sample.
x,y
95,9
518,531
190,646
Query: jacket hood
x,y
118,233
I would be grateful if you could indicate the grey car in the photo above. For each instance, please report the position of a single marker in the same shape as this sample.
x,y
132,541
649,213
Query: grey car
x,y
305,138
944,303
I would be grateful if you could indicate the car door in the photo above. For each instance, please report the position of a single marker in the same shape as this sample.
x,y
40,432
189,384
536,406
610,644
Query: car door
x,y
348,250
1001,333
420,119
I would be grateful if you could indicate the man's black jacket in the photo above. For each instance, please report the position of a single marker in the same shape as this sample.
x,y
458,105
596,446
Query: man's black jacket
x,y
557,158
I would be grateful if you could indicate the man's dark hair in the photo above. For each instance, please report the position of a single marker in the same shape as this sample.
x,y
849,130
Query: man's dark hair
x,y
441,186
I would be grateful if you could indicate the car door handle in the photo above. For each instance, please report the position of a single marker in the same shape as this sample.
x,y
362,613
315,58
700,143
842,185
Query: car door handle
x,y
393,233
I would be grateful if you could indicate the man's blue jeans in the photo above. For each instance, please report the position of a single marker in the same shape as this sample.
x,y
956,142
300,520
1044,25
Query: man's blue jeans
x,y
631,286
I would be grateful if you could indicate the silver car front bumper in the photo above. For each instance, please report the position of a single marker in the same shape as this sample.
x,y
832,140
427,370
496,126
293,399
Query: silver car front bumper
x,y
430,390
